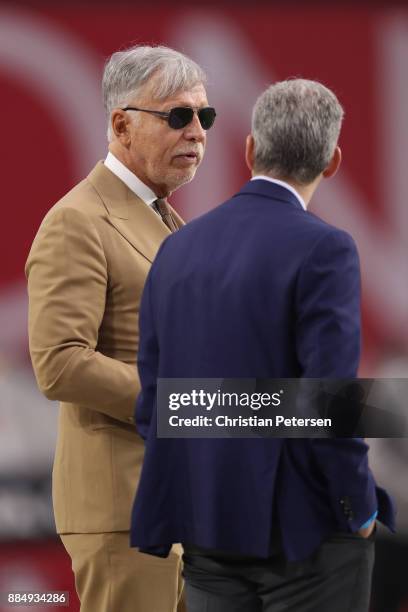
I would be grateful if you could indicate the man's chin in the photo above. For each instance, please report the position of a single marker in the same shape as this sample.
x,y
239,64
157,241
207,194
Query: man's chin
x,y
182,178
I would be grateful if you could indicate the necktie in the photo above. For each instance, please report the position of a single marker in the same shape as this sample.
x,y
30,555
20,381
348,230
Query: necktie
x,y
164,211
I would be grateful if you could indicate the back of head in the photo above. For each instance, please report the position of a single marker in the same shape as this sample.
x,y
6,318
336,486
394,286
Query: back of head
x,y
295,125
127,72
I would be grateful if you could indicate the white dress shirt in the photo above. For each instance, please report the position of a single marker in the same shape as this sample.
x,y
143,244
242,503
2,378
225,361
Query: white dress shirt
x,y
131,180
282,184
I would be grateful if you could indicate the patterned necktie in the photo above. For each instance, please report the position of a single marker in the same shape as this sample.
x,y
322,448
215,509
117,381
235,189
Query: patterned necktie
x,y
163,209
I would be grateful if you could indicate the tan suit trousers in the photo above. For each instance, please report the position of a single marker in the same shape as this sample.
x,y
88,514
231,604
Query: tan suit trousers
x,y
112,577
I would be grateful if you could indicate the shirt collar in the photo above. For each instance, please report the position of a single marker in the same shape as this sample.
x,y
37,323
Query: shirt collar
x,y
130,179
282,184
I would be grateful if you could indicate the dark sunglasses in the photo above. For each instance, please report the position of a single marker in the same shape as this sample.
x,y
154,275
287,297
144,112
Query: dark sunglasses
x,y
181,116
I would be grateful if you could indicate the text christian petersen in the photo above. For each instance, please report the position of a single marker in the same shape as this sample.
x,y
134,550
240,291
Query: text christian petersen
x,y
219,400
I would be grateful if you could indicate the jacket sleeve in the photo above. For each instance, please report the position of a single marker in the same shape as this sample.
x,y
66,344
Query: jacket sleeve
x,y
328,346
67,284
328,309
148,359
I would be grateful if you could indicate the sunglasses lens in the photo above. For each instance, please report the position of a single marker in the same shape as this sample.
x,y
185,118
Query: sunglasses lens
x,y
180,117
207,117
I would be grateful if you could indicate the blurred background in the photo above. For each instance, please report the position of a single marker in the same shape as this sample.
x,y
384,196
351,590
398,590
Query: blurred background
x,y
53,132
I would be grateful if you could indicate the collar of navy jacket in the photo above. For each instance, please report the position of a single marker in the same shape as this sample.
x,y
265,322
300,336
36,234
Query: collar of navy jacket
x,y
271,191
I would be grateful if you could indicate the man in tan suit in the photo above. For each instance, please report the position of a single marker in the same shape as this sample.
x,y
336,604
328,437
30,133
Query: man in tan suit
x,y
86,271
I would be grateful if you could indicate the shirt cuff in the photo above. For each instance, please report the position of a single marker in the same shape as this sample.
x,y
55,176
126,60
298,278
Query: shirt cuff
x,y
370,520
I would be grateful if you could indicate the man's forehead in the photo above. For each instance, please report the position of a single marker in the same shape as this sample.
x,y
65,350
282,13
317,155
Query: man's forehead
x,y
192,96
196,94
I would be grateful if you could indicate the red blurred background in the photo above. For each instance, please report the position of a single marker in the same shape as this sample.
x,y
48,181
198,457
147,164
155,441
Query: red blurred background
x,y
54,130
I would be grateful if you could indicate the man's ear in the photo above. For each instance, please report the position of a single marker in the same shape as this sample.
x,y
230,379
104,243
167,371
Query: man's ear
x,y
334,164
250,151
120,123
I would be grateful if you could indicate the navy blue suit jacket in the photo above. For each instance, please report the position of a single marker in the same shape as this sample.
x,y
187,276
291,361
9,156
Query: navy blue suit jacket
x,y
256,288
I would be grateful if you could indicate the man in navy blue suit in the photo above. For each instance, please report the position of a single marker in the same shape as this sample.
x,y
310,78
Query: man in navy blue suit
x,y
261,288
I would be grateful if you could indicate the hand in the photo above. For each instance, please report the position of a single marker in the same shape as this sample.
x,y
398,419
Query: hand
x,y
365,533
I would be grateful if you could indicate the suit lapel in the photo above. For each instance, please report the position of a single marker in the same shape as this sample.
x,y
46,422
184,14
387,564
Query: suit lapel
x,y
176,218
128,214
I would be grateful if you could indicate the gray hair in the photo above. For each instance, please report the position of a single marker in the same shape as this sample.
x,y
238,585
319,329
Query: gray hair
x,y
126,72
296,125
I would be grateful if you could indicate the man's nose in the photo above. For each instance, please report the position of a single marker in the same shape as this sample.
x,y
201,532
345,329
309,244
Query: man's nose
x,y
194,131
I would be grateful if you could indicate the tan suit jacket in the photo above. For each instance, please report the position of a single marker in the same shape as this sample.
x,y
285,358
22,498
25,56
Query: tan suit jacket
x,y
86,271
